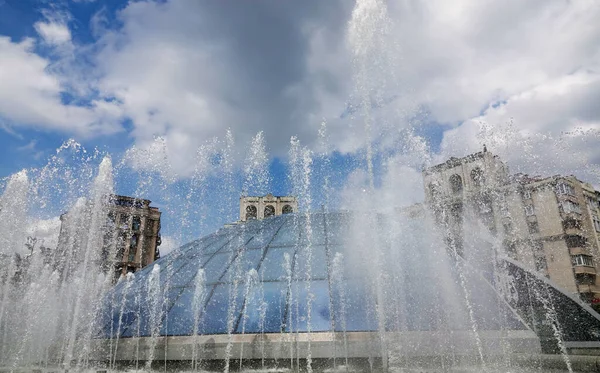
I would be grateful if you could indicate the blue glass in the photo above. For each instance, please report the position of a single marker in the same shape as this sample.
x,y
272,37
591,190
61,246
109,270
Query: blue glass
x,y
180,319
312,230
264,309
183,274
337,226
248,259
358,306
413,297
214,320
214,269
265,235
319,315
272,267
220,242
318,263
287,235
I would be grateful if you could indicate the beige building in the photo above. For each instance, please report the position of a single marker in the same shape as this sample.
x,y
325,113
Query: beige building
x,y
264,207
131,236
551,224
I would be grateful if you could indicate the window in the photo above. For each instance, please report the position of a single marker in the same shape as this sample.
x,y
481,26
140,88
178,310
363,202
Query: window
x,y
596,223
133,243
456,184
570,207
533,227
575,241
511,249
478,177
585,279
564,188
507,226
433,190
582,260
251,212
137,222
529,210
503,205
456,211
591,202
269,211
287,209
570,223
540,263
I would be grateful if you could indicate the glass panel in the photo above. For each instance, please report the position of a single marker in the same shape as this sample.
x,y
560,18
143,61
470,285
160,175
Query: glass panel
x,y
180,320
337,227
142,311
318,263
317,230
183,275
216,266
244,262
249,259
319,309
218,243
272,295
137,222
287,235
214,320
272,268
359,309
261,239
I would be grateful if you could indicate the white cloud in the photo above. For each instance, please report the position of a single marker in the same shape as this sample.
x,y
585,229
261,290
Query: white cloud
x,y
186,71
168,244
53,33
46,231
30,95
552,128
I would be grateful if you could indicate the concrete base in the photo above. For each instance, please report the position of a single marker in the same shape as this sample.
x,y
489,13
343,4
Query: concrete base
x,y
361,345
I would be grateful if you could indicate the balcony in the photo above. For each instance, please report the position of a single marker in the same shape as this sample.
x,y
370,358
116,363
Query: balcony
x,y
581,269
588,289
572,226
578,251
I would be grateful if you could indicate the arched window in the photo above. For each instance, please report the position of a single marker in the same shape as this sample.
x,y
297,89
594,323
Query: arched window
x,y
251,212
287,209
433,190
456,184
478,177
269,211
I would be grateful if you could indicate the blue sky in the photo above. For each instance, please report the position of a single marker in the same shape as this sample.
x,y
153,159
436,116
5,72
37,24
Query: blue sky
x,y
166,78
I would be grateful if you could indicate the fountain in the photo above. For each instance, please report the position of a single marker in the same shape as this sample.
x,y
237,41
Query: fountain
x,y
373,288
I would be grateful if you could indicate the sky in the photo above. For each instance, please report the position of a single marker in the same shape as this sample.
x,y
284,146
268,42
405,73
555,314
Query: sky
x,y
151,82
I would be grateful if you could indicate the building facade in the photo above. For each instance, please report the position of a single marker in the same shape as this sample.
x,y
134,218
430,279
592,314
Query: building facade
x,y
136,234
131,236
266,206
550,224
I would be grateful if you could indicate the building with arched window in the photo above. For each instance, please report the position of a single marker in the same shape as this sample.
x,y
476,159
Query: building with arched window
x,y
549,224
266,206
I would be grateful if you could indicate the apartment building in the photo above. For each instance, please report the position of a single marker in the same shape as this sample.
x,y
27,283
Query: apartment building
x,y
550,224
131,236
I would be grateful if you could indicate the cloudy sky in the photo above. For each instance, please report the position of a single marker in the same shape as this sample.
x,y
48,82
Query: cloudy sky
x,y
521,76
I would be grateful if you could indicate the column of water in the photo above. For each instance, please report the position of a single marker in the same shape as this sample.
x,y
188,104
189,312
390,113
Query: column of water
x,y
14,203
339,285
287,268
128,281
101,190
154,303
197,309
251,282
301,172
